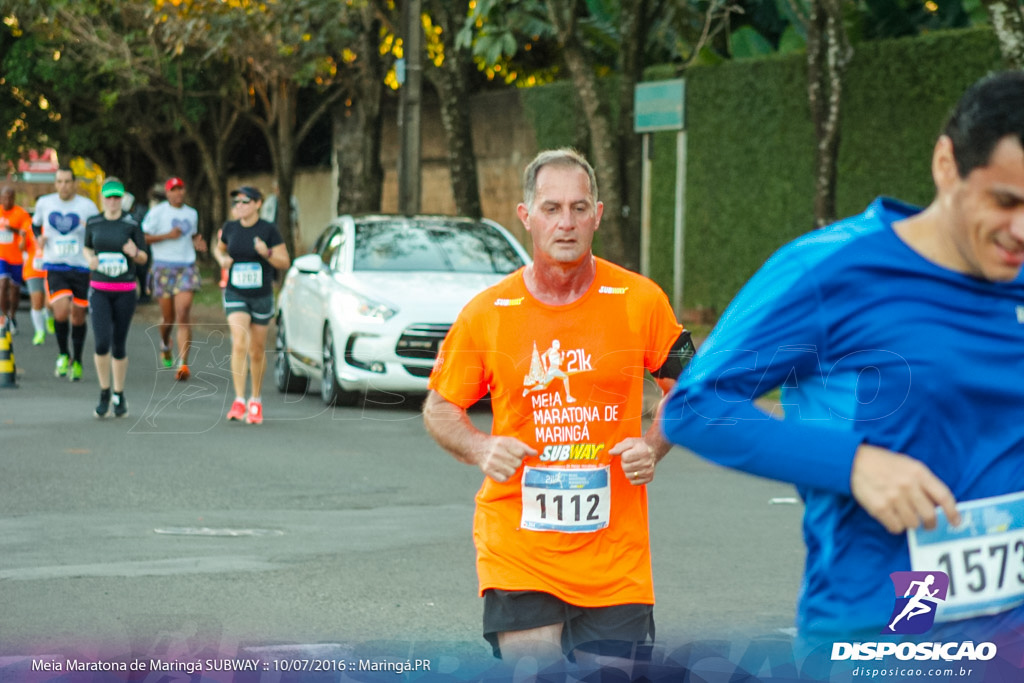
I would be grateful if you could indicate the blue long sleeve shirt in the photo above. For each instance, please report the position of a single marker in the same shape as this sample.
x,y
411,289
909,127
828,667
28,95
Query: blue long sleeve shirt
x,y
870,343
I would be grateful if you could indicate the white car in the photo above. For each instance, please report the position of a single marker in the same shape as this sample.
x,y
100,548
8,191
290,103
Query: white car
x,y
368,309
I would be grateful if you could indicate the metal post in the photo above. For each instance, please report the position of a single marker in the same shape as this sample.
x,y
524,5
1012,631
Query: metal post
x,y
679,233
645,208
410,102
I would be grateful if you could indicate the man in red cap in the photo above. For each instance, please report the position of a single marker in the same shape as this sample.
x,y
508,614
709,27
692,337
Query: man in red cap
x,y
172,231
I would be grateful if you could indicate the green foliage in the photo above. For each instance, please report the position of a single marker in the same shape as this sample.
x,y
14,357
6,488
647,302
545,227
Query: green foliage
x,y
494,26
793,40
887,139
25,123
796,13
783,23
47,97
298,40
511,39
551,111
518,36
663,190
751,148
600,30
891,19
750,186
976,12
747,43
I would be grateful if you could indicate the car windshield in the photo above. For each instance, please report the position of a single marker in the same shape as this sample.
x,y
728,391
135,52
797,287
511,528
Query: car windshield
x,y
435,245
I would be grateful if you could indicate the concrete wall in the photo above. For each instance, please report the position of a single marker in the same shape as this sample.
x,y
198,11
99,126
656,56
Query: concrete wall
x,y
503,142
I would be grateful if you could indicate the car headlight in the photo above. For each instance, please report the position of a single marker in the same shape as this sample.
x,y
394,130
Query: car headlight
x,y
368,308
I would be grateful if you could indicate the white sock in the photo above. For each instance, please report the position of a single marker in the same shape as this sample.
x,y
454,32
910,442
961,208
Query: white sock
x,y
39,320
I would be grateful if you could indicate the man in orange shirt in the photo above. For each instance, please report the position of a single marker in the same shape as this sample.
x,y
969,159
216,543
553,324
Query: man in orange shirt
x,y
14,223
563,553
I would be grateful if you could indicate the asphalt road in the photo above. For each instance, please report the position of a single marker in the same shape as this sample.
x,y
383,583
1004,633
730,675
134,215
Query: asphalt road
x,y
174,531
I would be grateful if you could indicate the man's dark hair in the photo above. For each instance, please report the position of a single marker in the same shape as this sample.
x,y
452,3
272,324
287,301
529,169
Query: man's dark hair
x,y
67,169
987,112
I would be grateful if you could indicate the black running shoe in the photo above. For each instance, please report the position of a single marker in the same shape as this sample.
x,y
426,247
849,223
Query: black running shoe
x,y
103,407
120,405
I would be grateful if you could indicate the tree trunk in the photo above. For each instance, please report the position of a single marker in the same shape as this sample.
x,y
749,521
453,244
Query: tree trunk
x,y
1007,17
828,53
214,138
632,29
459,140
356,129
277,118
449,79
284,150
356,133
604,146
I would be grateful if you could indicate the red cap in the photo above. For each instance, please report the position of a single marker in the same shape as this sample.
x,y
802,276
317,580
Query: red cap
x,y
173,183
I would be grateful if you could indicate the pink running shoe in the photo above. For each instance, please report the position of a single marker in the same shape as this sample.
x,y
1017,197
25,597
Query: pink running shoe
x,y
254,413
237,412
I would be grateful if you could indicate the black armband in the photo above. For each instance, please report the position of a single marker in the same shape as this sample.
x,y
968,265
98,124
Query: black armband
x,y
678,357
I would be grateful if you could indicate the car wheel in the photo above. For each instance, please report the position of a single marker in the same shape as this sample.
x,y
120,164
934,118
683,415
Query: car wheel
x,y
330,391
286,380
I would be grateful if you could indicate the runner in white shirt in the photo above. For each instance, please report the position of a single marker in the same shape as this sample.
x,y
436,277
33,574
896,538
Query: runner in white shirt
x,y
172,231
59,222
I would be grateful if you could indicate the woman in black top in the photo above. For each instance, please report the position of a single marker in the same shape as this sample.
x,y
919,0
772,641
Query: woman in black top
x,y
251,250
114,247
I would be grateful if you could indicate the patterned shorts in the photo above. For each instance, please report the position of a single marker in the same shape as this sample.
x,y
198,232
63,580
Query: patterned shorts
x,y
166,281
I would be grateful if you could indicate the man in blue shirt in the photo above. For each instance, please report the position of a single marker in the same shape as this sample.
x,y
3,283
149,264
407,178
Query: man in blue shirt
x,y
897,337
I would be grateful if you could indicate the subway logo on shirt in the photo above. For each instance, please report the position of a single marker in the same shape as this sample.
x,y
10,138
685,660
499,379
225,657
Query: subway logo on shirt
x,y
571,451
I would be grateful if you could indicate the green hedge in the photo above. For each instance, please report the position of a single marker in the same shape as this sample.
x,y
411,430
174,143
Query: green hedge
x,y
750,149
888,135
751,146
750,178
550,110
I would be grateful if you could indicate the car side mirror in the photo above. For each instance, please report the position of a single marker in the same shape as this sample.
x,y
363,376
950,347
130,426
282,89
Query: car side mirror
x,y
309,264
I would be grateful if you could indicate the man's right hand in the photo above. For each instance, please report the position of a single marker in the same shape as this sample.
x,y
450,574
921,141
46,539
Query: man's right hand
x,y
899,491
502,457
498,457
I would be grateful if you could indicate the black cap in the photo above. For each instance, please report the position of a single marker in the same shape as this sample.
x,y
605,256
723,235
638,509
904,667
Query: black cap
x,y
249,191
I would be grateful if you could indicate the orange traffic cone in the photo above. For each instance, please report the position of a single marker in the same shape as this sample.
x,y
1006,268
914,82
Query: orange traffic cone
x,y
8,374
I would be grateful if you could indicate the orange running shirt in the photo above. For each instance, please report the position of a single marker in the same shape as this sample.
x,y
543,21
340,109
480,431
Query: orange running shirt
x,y
569,381
33,265
13,226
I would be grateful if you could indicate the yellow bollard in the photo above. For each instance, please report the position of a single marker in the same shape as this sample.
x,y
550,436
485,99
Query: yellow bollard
x,y
8,374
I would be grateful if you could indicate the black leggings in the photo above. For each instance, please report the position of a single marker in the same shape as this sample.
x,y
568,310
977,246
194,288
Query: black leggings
x,y
111,314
